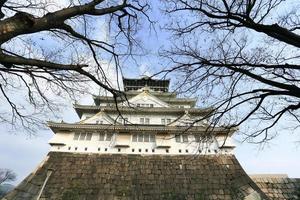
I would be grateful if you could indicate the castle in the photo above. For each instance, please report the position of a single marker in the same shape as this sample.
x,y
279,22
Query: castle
x,y
148,145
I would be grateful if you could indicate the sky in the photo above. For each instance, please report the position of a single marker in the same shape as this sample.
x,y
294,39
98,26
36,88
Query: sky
x,y
22,153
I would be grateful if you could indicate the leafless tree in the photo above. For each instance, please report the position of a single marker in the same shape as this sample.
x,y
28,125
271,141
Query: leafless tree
x,y
46,46
7,175
240,57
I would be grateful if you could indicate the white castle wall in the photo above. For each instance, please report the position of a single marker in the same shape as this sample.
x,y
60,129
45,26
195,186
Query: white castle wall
x,y
96,146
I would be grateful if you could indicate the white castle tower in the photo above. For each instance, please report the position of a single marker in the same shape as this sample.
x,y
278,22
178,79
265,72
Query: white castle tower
x,y
149,145
149,120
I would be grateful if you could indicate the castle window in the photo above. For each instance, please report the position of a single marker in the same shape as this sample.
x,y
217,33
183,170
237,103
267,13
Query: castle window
x,y
83,136
181,138
197,138
146,137
89,136
76,136
163,121
177,138
141,120
147,121
105,136
99,122
144,121
134,138
152,138
185,138
109,136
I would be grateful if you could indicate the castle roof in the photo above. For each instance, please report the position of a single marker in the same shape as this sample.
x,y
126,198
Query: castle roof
x,y
139,127
80,109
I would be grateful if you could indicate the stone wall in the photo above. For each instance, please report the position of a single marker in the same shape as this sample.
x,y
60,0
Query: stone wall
x,y
130,177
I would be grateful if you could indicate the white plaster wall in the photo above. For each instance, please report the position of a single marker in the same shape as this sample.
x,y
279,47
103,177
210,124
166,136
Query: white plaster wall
x,y
96,146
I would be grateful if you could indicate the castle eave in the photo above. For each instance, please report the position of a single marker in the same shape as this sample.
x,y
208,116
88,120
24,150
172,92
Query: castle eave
x,y
132,128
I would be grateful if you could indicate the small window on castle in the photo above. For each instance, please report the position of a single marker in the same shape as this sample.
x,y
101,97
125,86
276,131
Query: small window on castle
x,y
85,148
82,136
146,137
151,105
185,138
142,121
197,138
138,105
105,136
105,149
76,148
101,136
69,148
181,138
109,136
140,138
186,151
167,150
134,138
89,136
132,150
152,138
98,149
76,136
147,121
163,121
177,138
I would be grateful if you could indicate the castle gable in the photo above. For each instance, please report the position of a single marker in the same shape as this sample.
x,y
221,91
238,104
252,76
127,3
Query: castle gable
x,y
99,118
146,99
